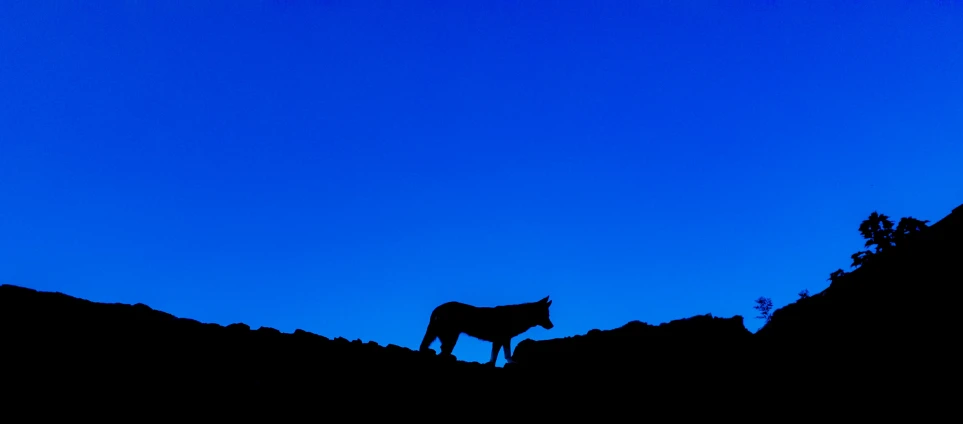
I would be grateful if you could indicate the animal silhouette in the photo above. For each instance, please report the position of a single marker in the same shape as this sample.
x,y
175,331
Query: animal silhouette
x,y
493,324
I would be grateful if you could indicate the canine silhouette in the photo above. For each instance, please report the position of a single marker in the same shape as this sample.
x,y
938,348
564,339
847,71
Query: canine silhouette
x,y
493,324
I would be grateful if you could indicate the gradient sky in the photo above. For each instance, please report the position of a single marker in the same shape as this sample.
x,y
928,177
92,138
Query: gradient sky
x,y
344,167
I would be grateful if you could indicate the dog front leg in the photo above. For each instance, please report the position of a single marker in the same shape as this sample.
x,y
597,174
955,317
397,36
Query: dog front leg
x,y
495,347
508,352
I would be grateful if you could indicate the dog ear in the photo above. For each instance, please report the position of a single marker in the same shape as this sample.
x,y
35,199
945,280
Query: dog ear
x,y
545,300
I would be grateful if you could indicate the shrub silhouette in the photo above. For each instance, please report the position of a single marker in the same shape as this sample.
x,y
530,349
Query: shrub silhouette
x,y
834,276
906,228
764,306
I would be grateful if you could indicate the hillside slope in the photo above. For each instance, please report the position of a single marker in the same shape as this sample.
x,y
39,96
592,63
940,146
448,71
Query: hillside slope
x,y
889,327
885,331
895,309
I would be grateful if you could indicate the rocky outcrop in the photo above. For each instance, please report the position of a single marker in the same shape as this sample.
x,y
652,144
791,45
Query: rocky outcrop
x,y
640,345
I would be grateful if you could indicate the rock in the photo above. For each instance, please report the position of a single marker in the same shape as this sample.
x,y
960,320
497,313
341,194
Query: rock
x,y
239,326
268,330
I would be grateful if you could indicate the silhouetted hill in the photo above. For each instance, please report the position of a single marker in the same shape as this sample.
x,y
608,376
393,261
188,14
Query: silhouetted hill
x,y
898,308
884,333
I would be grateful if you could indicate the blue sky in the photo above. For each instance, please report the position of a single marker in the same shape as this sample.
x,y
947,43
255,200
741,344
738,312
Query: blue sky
x,y
344,167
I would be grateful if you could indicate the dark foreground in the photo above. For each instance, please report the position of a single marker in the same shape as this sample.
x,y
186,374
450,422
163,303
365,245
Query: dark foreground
x,y
881,341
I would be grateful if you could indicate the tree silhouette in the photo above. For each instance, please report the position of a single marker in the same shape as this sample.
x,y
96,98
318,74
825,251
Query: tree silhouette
x,y
881,236
764,306
906,228
804,294
878,231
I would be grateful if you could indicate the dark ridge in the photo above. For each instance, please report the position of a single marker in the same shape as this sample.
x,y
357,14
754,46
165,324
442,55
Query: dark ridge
x,y
62,347
638,344
65,347
884,333
65,323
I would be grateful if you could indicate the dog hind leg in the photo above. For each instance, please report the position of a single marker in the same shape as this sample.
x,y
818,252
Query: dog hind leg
x,y
430,337
508,352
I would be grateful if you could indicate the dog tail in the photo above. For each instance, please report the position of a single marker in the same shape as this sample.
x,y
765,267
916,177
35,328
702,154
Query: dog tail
x,y
430,334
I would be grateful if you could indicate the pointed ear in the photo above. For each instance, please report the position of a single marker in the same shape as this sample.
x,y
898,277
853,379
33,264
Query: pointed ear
x,y
545,300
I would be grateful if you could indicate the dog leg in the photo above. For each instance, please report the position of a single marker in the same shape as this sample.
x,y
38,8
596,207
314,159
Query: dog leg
x,y
508,352
495,347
